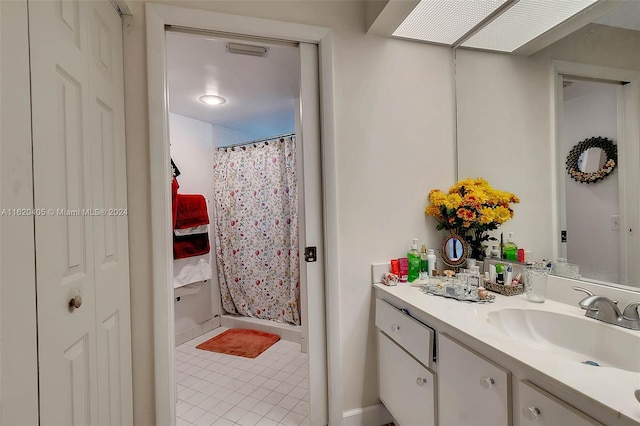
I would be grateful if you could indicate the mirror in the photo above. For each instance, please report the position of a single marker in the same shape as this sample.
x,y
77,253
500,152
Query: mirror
x,y
592,160
454,250
513,130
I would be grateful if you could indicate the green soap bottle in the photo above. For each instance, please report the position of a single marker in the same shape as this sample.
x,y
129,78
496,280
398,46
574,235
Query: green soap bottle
x,y
413,256
510,251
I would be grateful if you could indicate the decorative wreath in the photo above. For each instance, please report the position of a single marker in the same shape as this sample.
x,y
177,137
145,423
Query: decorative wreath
x,y
610,149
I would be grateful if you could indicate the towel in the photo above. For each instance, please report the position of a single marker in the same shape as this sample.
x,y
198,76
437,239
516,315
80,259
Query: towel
x,y
190,245
192,211
192,270
174,200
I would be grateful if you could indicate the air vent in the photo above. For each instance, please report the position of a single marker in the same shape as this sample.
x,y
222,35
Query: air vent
x,y
247,49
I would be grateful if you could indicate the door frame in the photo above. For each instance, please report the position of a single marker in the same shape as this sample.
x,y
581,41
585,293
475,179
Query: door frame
x,y
18,313
157,17
628,157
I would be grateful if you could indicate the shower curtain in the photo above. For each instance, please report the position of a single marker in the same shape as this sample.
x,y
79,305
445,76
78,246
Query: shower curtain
x,y
256,220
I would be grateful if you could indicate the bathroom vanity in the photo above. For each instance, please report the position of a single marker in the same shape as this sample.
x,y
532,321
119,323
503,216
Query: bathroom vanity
x,y
510,362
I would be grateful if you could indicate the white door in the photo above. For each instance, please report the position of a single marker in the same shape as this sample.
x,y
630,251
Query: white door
x,y
81,237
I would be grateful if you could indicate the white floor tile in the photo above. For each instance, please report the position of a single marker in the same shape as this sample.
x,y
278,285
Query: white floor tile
x,y
262,408
248,403
223,422
298,392
235,413
288,402
302,407
260,393
292,419
274,398
249,419
220,389
265,421
206,419
193,414
277,413
221,408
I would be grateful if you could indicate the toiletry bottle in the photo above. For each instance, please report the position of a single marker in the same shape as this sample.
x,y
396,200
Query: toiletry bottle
x,y
500,269
508,276
424,264
413,256
431,259
510,251
403,263
473,280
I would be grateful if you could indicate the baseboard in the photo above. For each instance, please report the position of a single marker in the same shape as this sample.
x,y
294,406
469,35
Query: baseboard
x,y
373,415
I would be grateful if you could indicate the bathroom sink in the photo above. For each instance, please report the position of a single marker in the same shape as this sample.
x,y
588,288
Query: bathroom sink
x,y
578,338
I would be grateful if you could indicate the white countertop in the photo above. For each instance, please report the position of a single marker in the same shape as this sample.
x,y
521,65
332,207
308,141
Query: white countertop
x,y
610,389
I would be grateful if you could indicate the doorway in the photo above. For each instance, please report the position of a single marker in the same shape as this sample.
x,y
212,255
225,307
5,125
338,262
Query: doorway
x,y
324,365
597,106
234,133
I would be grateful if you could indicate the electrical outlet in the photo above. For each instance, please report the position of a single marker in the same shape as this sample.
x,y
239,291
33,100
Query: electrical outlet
x,y
615,222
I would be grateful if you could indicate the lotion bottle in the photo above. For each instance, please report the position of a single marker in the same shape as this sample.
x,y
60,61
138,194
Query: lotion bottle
x,y
413,256
431,259
424,264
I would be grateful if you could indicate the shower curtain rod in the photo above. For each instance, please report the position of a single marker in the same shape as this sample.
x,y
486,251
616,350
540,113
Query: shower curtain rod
x,y
285,135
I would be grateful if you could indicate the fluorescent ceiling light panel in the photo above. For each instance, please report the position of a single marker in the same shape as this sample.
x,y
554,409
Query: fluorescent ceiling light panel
x,y
523,22
445,21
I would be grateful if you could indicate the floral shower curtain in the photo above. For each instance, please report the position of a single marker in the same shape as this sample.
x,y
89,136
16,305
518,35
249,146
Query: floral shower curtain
x,y
256,219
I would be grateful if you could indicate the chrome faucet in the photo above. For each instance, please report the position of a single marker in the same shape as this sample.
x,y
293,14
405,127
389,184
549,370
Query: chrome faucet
x,y
604,309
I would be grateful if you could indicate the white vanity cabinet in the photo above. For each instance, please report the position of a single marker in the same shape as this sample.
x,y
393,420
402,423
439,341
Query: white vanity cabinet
x,y
472,390
534,406
406,386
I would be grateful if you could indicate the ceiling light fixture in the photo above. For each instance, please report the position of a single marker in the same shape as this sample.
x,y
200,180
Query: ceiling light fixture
x,y
212,99
445,21
523,22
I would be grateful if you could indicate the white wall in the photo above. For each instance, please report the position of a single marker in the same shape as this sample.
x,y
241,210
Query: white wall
x,y
223,136
394,116
589,207
503,136
192,152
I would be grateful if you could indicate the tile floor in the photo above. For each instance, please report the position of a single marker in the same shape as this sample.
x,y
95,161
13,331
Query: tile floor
x,y
218,389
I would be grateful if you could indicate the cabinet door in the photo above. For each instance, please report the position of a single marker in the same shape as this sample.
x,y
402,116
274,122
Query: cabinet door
x,y
472,390
537,407
406,387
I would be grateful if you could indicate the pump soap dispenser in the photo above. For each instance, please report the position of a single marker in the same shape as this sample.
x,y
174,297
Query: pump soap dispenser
x,y
510,251
413,257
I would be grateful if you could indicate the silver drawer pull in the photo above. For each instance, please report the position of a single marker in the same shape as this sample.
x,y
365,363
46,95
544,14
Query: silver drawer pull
x,y
531,413
421,381
486,382
395,328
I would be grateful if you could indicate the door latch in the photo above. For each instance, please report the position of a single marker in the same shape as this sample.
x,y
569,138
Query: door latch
x,y
310,254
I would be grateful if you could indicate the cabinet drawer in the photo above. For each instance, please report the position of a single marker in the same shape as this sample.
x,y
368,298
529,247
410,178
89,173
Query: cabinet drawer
x,y
406,387
412,335
472,390
537,407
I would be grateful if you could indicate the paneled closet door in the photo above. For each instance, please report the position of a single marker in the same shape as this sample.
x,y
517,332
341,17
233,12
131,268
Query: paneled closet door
x,y
82,263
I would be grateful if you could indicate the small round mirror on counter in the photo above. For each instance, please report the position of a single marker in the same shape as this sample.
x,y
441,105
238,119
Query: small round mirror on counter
x,y
454,250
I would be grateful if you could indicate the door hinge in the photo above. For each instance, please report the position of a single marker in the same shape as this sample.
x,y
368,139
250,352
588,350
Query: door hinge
x,y
563,236
310,254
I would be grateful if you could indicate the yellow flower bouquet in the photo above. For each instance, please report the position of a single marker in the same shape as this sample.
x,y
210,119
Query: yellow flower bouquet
x,y
470,209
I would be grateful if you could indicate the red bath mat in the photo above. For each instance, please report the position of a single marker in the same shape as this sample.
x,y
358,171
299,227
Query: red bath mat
x,y
240,342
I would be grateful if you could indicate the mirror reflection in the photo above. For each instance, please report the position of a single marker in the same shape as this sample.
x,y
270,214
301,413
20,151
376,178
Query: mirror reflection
x,y
516,125
454,250
591,160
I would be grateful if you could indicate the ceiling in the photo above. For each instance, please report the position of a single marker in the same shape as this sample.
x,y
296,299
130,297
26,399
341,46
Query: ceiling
x,y
626,16
261,93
